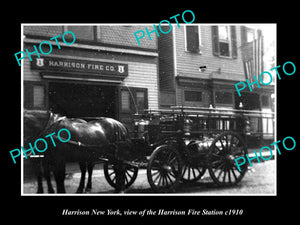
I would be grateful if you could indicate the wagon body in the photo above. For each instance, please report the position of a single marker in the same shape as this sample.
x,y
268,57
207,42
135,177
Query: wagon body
x,y
180,144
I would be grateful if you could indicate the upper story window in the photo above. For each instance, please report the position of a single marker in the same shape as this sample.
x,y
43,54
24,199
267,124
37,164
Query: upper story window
x,y
224,41
247,35
192,38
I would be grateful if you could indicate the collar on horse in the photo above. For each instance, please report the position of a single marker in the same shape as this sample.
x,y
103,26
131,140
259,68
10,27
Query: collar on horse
x,y
52,120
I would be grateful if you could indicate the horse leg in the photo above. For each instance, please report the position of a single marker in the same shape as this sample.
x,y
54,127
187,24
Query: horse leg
x,y
120,177
36,166
47,175
90,166
59,175
82,165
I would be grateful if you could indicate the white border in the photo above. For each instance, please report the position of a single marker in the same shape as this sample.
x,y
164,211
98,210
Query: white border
x,y
136,52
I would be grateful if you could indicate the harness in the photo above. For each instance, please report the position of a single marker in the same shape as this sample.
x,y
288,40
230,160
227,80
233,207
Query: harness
x,y
49,125
52,121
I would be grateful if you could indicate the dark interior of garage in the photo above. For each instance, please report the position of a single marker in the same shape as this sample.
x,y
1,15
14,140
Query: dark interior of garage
x,y
82,100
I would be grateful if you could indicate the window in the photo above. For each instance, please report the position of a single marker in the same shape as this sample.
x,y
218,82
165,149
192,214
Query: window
x,y
34,95
193,96
224,33
265,101
140,100
192,38
250,35
222,97
247,35
224,41
38,96
133,100
125,100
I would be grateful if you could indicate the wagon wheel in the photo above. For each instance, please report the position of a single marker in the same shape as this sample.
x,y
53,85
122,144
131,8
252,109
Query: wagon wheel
x,y
131,173
164,169
191,173
222,154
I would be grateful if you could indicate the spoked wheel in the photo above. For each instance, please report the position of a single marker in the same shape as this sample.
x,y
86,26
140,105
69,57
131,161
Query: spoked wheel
x,y
131,173
227,147
164,169
192,173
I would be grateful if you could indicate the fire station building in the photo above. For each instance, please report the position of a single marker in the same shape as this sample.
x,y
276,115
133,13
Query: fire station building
x,y
107,73
104,73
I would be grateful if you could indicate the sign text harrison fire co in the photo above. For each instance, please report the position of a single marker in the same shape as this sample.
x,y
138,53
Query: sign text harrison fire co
x,y
78,65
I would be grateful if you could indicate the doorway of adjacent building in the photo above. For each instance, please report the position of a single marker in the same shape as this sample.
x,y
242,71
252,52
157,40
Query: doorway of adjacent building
x,y
83,100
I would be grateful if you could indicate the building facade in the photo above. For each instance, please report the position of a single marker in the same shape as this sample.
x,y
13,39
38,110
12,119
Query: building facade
x,y
104,73
200,64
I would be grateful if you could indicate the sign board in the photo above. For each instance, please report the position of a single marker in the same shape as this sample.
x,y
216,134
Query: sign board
x,y
80,66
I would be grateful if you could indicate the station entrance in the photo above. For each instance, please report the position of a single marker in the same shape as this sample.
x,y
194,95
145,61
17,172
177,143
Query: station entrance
x,y
76,100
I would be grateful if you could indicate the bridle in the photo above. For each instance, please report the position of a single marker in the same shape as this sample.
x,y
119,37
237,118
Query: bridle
x,y
48,125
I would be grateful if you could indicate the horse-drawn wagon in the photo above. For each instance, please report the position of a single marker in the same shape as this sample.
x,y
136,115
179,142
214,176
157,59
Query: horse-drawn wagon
x,y
180,144
175,145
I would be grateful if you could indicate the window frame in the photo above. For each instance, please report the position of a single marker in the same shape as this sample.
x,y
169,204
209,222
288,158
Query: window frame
x,y
232,42
229,42
28,95
193,103
121,101
268,98
224,104
199,39
133,99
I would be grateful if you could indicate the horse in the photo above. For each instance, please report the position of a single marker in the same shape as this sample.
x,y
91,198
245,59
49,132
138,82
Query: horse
x,y
89,141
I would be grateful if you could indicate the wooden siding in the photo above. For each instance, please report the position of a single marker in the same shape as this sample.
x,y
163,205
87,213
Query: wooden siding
x,y
142,71
112,35
188,63
44,31
124,35
143,75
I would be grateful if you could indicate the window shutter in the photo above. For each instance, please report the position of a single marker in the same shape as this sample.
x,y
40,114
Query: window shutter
x,y
215,40
28,93
192,38
233,42
243,35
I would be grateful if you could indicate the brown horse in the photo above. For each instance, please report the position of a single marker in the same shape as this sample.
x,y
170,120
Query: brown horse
x,y
89,141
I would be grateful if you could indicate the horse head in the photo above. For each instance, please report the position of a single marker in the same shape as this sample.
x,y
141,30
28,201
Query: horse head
x,y
35,122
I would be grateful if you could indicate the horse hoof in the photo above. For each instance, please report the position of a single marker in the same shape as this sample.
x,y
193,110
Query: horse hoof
x,y
79,191
88,190
51,191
